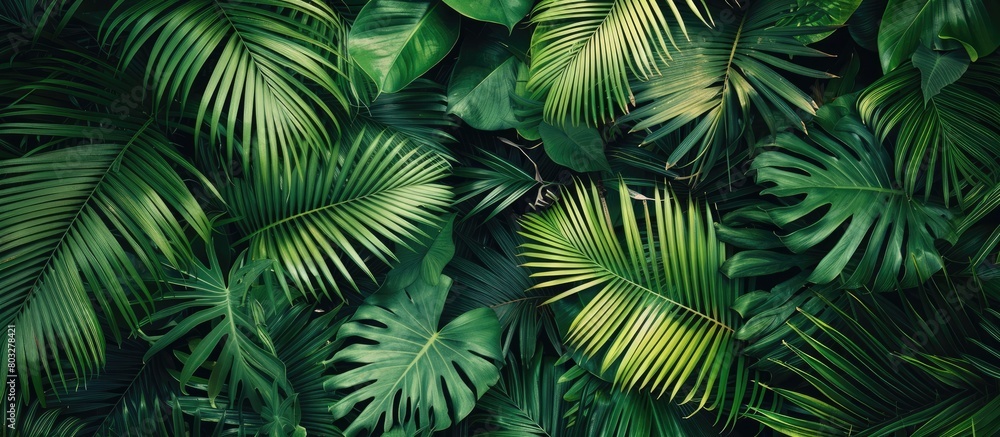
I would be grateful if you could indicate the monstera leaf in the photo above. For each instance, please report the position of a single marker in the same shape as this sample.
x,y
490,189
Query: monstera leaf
x,y
409,369
846,179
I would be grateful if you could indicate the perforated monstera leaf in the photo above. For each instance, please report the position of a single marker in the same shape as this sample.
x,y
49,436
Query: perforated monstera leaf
x,y
409,368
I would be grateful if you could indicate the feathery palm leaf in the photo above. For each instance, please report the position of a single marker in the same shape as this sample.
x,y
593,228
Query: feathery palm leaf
x,y
661,315
721,76
127,396
953,132
863,386
368,193
94,202
598,409
528,401
272,67
581,50
502,182
417,111
493,279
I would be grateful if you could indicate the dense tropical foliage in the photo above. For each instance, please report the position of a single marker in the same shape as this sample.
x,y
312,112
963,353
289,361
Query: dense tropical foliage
x,y
503,218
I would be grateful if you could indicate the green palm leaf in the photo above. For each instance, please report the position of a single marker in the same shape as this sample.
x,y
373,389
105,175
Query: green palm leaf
x,y
719,79
583,52
95,203
501,184
271,65
859,383
528,401
344,207
410,370
660,318
598,409
418,112
953,132
128,394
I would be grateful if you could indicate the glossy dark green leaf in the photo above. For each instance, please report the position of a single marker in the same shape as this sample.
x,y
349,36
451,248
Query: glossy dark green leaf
x,y
482,83
396,41
505,12
939,24
577,147
822,13
437,373
938,69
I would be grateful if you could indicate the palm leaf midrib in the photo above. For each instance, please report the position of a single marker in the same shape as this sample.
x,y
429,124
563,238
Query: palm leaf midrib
x,y
71,225
297,216
622,277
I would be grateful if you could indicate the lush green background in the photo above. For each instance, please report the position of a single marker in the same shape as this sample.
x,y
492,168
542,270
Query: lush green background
x,y
504,218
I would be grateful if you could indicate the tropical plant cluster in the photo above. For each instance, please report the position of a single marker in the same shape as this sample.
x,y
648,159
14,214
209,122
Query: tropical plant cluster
x,y
500,217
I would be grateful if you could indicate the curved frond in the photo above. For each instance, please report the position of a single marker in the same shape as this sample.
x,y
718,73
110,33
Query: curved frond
x,y
271,67
350,207
583,53
858,379
720,79
223,304
948,142
87,211
660,318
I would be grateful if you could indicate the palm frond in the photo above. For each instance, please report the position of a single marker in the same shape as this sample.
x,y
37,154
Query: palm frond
x,y
720,79
96,200
351,205
863,385
500,184
528,401
581,50
660,317
271,66
127,396
598,409
417,111
493,279
246,357
949,142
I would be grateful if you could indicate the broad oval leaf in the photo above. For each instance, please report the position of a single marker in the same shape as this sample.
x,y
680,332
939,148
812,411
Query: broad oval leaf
x,y
822,13
577,147
939,24
411,370
395,42
938,70
481,85
505,12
